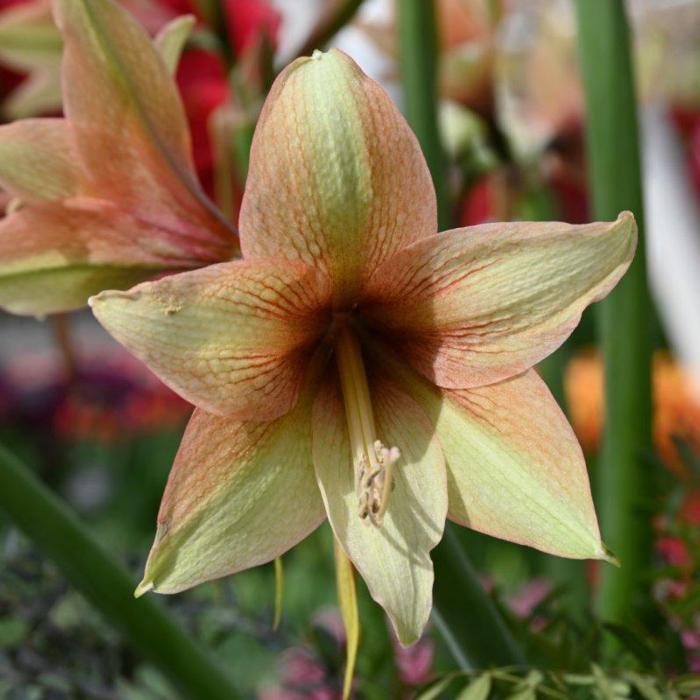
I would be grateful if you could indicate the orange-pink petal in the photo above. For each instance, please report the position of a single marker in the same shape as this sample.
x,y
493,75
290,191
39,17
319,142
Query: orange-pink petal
x,y
239,495
234,338
57,254
474,306
38,160
337,178
514,467
129,124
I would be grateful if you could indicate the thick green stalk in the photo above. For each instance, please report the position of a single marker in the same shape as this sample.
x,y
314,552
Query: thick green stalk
x,y
615,182
418,64
468,618
330,25
144,623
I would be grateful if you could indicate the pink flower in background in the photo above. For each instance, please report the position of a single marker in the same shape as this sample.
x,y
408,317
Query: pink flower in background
x,y
415,663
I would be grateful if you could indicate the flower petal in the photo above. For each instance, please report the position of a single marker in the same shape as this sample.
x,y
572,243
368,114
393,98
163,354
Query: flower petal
x,y
514,467
239,495
57,254
171,39
231,338
393,559
129,122
38,159
337,178
475,306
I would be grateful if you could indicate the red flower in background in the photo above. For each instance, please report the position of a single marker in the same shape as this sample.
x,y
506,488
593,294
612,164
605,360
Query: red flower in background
x,y
201,75
688,124
247,21
201,78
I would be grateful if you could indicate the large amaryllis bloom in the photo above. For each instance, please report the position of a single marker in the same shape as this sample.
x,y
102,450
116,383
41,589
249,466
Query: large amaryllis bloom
x,y
356,365
108,196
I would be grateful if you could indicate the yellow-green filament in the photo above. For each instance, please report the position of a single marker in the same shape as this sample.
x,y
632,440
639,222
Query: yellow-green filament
x,y
373,462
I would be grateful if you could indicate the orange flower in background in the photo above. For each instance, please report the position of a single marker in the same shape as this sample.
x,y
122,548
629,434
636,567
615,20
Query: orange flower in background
x,y
676,411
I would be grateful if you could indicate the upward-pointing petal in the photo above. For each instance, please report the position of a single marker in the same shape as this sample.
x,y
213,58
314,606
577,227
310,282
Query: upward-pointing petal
x,y
337,178
129,122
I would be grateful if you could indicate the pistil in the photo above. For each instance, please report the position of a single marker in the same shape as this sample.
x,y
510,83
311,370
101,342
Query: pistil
x,y
372,461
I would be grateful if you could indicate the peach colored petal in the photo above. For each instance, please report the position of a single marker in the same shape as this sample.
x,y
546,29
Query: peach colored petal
x,y
474,306
57,254
393,559
514,467
129,123
337,178
38,160
234,338
239,495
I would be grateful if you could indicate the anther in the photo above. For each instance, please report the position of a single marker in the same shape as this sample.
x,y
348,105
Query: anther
x,y
376,483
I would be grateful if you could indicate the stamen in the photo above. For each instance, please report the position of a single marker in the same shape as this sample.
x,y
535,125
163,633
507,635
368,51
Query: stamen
x,y
373,462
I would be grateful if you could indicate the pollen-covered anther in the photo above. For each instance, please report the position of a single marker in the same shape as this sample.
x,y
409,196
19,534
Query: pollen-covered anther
x,y
375,482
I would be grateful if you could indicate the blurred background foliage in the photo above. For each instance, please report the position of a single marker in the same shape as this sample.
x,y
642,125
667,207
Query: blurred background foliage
x,y
101,432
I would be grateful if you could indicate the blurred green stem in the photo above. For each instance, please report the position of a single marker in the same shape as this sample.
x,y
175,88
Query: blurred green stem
x,y
418,64
331,23
474,631
108,587
467,617
615,183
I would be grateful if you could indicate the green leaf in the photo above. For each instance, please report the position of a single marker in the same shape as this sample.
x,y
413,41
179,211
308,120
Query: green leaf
x,y
633,642
108,587
613,156
478,689
12,631
433,691
687,684
608,688
645,686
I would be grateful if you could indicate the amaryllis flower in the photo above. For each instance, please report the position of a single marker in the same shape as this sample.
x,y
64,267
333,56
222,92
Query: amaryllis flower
x,y
358,366
108,196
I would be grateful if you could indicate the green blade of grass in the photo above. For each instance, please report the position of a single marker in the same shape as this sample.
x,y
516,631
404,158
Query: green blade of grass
x,y
57,532
624,317
418,65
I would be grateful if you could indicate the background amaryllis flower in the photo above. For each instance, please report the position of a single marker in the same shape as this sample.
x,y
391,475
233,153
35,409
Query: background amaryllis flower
x,y
108,195
357,365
